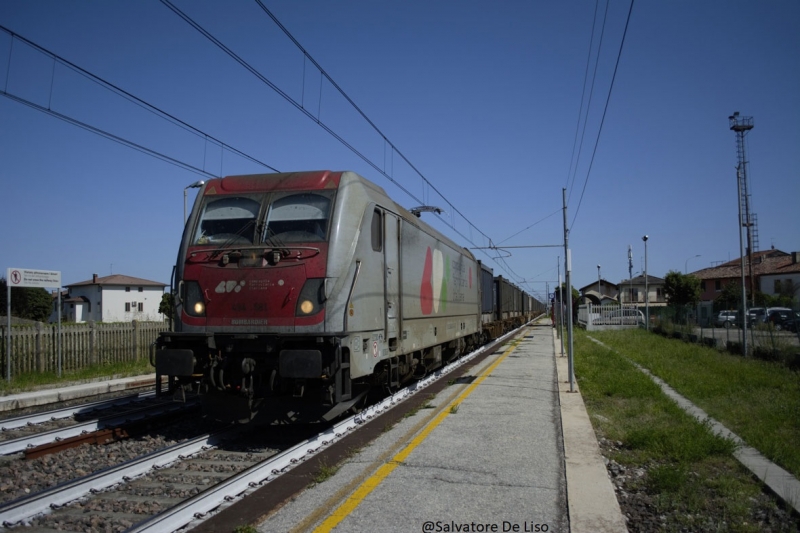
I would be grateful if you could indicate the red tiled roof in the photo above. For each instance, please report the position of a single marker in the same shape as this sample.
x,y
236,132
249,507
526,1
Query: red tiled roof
x,y
119,279
766,262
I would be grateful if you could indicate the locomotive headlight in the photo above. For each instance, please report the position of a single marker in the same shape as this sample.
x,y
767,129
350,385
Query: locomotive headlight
x,y
194,304
311,298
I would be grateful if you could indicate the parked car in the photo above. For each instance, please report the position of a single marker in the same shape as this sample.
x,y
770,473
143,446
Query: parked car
x,y
771,310
752,320
726,319
626,317
783,319
757,314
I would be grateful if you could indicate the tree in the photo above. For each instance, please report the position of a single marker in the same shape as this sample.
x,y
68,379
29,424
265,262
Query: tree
x,y
682,293
681,289
167,305
729,298
563,288
26,302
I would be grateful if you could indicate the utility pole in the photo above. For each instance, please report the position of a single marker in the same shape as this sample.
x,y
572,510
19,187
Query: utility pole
x,y
646,289
630,274
567,270
560,308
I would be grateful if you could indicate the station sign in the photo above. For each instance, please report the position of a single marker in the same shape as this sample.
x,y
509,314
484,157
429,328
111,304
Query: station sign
x,y
26,277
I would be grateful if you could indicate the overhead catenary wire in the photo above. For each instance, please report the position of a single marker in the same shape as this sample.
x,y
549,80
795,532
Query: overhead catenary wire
x,y
108,135
583,95
318,121
557,211
605,110
126,95
589,103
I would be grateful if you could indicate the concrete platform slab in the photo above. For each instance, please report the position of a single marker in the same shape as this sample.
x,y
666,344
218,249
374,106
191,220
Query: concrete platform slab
x,y
46,396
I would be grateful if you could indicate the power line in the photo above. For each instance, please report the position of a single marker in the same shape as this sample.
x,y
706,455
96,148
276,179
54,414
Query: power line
x,y
529,227
605,110
319,122
360,112
589,103
583,93
108,135
126,95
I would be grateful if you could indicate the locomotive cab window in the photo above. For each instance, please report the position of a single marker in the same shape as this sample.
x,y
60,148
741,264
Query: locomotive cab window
x,y
298,217
228,220
377,231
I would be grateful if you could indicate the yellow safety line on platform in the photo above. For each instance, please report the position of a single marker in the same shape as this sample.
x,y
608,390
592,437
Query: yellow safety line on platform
x,y
372,483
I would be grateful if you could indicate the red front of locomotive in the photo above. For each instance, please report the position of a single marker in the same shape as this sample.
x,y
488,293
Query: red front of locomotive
x,y
257,254
250,290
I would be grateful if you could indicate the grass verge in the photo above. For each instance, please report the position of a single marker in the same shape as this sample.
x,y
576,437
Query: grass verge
x,y
35,380
757,400
671,472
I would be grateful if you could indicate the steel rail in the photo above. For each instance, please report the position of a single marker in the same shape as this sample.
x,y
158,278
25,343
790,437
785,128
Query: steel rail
x,y
102,436
266,471
67,412
20,444
41,502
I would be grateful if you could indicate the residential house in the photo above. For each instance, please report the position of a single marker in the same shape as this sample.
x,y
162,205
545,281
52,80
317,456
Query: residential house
x,y
115,298
632,291
784,279
772,263
599,292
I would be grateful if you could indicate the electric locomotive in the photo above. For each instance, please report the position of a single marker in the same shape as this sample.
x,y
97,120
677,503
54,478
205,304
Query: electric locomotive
x,y
312,287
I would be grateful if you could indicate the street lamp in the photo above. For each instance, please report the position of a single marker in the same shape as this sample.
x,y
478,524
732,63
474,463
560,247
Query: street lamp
x,y
646,290
195,185
686,264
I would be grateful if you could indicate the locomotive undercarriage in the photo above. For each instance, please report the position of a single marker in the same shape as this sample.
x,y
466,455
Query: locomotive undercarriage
x,y
236,374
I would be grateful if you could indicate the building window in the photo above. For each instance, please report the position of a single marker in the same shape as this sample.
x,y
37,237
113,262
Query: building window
x,y
659,293
777,287
141,289
717,285
703,286
127,307
127,289
141,307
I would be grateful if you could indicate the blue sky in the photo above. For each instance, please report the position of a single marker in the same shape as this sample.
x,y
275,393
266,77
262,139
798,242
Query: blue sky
x,y
482,98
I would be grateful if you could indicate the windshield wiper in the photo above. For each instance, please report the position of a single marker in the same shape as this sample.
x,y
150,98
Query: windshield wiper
x,y
231,240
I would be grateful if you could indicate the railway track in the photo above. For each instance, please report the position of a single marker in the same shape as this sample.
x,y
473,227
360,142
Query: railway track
x,y
9,424
38,435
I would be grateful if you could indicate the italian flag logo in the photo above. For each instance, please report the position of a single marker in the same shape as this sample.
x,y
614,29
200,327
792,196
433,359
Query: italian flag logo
x,y
435,279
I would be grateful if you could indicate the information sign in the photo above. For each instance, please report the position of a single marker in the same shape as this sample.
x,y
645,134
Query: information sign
x,y
25,277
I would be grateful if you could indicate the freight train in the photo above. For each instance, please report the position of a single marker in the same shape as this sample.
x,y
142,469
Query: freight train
x,y
316,287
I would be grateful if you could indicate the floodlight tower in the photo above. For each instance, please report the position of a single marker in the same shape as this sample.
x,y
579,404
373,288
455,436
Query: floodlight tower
x,y
741,125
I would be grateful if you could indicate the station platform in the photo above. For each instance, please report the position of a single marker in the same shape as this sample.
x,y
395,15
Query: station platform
x,y
46,396
505,448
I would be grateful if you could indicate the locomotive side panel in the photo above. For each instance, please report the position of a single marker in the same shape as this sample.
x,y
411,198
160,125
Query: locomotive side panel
x,y
440,290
